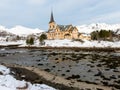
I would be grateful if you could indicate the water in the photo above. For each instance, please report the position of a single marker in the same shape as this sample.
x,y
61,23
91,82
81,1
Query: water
x,y
91,67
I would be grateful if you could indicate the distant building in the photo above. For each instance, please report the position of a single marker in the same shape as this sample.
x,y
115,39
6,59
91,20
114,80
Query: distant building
x,y
56,31
84,36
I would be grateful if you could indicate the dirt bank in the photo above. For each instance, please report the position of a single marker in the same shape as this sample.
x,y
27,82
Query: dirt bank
x,y
36,75
72,48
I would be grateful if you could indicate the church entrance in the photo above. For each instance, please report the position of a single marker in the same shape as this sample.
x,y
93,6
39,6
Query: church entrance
x,y
67,36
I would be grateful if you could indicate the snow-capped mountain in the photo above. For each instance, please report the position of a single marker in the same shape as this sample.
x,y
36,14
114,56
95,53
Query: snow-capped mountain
x,y
4,33
17,33
20,30
93,27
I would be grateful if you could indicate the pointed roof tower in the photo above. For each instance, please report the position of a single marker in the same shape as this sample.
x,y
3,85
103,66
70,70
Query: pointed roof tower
x,y
52,18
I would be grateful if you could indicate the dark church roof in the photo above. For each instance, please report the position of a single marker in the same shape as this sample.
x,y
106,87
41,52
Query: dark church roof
x,y
51,18
64,27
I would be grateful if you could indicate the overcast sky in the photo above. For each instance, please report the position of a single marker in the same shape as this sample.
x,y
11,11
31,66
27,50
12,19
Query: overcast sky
x,y
36,13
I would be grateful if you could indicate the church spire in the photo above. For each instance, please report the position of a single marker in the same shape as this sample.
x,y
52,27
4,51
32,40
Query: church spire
x,y
52,18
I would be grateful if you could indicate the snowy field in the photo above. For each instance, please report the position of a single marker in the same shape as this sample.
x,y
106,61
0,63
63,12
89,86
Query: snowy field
x,y
8,82
66,43
70,43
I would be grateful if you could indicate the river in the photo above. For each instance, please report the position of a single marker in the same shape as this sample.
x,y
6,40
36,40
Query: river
x,y
96,67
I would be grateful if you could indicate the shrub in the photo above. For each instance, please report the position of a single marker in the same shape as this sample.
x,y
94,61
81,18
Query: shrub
x,y
102,35
30,41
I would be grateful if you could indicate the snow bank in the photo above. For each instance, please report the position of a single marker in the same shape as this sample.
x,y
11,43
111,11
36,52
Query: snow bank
x,y
70,43
66,43
20,42
8,82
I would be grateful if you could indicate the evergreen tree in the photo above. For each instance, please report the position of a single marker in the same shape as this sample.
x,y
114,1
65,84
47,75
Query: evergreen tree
x,y
42,38
30,41
27,41
18,37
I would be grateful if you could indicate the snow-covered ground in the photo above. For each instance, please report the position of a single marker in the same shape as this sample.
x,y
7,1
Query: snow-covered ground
x,y
67,43
8,82
70,43
20,42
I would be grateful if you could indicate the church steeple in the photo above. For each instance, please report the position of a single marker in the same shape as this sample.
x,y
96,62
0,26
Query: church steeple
x,y
51,18
52,24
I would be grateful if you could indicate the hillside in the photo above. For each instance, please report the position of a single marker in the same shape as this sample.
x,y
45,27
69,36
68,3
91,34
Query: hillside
x,y
21,30
93,27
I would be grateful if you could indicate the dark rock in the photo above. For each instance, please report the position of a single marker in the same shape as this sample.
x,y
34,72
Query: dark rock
x,y
1,73
67,70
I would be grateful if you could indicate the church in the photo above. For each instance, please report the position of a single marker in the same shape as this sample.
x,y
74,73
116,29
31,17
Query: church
x,y
56,31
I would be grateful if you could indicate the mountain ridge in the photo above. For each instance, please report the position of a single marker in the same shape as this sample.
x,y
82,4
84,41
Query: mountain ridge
x,y
98,26
21,30
86,28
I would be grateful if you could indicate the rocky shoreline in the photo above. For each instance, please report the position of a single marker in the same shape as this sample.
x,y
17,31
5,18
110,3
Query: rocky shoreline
x,y
35,75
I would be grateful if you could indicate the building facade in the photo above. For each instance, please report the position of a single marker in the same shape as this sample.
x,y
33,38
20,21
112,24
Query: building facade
x,y
56,31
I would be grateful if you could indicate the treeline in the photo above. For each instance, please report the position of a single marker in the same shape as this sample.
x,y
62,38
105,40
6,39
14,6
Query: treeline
x,y
102,35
